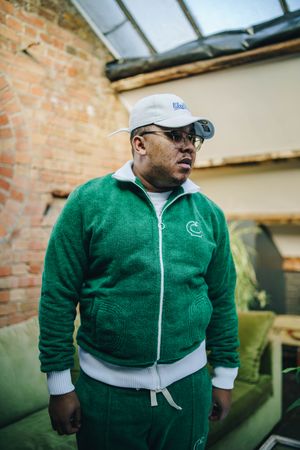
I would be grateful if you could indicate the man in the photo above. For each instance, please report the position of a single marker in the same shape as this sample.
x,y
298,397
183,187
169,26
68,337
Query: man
x,y
147,257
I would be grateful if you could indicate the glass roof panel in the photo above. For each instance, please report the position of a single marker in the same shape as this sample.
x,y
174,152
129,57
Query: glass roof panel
x,y
110,20
293,4
214,16
163,22
127,42
106,17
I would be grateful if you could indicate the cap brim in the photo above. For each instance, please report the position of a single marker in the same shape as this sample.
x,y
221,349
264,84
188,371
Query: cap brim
x,y
120,130
177,122
203,127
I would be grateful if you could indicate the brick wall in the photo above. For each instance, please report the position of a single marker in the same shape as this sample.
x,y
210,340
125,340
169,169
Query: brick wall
x,y
56,109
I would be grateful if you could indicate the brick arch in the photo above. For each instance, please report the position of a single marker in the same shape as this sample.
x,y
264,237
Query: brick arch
x,y
14,159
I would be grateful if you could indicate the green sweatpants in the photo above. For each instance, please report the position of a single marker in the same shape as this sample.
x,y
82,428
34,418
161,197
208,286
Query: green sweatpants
x,y
116,418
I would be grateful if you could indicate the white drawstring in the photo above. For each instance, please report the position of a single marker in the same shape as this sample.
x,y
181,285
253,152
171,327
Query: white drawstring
x,y
167,396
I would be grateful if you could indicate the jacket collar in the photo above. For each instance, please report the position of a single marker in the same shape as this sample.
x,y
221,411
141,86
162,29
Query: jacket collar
x,y
125,173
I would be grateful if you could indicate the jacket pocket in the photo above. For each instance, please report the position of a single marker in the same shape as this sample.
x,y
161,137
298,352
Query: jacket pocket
x,y
200,312
108,325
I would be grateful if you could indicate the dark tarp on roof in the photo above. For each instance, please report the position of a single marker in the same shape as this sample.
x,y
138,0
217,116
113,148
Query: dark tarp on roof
x,y
219,44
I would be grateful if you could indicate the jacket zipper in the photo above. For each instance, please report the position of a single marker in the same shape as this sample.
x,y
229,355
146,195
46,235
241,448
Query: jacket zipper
x,y
162,286
162,274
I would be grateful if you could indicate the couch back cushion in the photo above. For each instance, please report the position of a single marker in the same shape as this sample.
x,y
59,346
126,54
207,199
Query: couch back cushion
x,y
23,388
254,327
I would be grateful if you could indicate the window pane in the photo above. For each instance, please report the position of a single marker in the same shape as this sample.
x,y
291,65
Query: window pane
x,y
107,16
127,42
163,22
293,4
214,16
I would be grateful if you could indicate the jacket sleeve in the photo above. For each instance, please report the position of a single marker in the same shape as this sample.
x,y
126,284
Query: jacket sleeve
x,y
222,332
65,269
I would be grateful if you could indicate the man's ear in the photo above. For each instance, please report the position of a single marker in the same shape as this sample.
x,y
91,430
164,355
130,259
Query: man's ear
x,y
138,144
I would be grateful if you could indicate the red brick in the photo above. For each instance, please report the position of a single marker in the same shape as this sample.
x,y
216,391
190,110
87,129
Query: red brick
x,y
7,308
30,76
16,195
4,321
37,245
7,7
22,145
6,172
5,133
4,296
3,119
4,184
31,32
31,19
46,38
9,34
29,281
3,197
22,158
17,120
12,107
5,271
72,71
35,268
38,90
14,23
7,95
3,83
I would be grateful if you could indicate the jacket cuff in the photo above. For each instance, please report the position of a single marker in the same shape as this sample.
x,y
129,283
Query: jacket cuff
x,y
60,382
223,377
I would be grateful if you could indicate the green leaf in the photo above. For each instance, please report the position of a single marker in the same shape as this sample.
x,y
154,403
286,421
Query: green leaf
x,y
296,404
291,369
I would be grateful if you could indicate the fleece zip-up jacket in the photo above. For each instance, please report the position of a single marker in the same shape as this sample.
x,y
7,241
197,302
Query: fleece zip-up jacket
x,y
150,288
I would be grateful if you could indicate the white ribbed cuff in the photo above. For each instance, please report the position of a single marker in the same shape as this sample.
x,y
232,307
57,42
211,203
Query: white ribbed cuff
x,y
223,377
60,382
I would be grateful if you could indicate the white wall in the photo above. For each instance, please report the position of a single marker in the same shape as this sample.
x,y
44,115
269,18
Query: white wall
x,y
255,107
264,189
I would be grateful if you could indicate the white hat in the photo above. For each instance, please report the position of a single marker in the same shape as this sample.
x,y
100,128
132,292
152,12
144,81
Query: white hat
x,y
166,110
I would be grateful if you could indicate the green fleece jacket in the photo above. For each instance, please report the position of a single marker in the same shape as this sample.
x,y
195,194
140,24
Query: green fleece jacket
x,y
150,289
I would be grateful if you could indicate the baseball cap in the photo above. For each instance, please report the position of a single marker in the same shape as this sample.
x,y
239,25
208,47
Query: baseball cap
x,y
166,110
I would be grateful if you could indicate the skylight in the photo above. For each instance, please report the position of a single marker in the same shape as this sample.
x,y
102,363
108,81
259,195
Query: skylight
x,y
140,28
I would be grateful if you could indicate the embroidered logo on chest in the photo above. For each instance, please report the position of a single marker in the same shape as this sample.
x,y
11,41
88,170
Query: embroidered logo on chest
x,y
193,227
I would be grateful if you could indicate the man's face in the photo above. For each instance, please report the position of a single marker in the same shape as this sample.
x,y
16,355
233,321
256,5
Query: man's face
x,y
164,163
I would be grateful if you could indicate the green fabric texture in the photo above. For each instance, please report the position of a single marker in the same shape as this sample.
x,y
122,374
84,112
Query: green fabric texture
x,y
34,433
246,398
94,258
23,386
253,330
116,418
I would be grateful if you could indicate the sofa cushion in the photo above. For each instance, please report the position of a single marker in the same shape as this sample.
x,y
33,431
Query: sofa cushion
x,y
34,433
23,386
254,327
246,399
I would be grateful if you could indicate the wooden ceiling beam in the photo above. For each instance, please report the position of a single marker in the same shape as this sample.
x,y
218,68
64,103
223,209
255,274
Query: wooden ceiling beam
x,y
208,65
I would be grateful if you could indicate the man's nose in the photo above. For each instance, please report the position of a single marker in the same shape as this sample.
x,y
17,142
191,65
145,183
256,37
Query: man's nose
x,y
187,145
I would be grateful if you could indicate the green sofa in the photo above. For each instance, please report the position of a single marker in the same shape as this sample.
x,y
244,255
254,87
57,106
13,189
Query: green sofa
x,y
256,405
24,421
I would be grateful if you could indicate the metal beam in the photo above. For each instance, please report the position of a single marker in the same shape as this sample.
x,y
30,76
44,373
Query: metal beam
x,y
95,28
189,17
284,6
136,26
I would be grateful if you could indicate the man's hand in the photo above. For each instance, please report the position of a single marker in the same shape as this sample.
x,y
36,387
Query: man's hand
x,y
221,403
64,412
